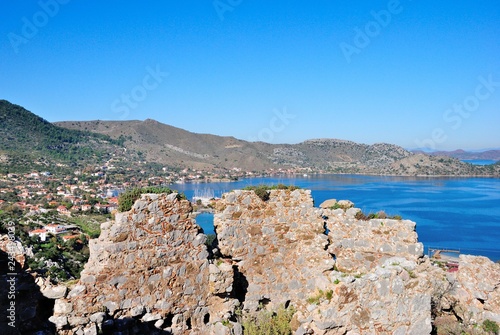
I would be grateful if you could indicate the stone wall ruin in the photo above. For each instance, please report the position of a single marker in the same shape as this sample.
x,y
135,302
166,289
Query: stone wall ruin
x,y
150,271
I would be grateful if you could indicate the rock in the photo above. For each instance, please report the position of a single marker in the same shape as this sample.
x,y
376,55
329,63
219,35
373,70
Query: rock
x,y
98,317
345,204
220,329
200,239
76,291
285,225
150,317
59,321
328,203
86,279
351,212
159,323
55,292
152,264
62,307
91,330
14,248
479,281
77,321
137,311
221,278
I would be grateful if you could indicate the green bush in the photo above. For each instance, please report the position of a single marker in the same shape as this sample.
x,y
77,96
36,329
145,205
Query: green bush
x,y
361,216
269,323
262,191
126,199
336,206
380,215
490,326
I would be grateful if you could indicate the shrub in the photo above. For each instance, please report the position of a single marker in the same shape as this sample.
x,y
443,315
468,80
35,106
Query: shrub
x,y
262,191
269,323
455,327
490,326
361,216
336,206
380,215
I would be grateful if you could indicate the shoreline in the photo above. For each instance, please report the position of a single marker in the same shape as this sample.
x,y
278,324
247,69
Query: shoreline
x,y
301,176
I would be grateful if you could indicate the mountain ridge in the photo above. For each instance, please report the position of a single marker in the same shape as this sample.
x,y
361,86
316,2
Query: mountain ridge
x,y
229,152
151,141
323,154
491,154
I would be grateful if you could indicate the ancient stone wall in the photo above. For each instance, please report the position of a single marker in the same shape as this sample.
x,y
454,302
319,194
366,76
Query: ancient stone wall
x,y
476,292
148,270
278,245
360,245
25,307
341,274
392,299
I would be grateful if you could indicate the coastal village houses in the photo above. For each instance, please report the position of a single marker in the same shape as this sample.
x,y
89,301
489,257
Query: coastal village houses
x,y
41,233
71,232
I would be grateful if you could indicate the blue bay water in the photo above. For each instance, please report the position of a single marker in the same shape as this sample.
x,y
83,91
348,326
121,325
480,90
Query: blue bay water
x,y
458,213
479,161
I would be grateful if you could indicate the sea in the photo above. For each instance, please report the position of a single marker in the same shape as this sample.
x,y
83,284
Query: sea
x,y
479,161
451,213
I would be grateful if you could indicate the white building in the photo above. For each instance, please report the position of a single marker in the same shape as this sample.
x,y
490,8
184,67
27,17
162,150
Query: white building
x,y
42,233
55,228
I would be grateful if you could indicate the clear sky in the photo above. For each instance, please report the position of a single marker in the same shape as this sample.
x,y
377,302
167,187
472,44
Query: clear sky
x,y
414,73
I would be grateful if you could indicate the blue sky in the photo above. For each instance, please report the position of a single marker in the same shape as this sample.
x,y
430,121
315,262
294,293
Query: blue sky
x,y
412,73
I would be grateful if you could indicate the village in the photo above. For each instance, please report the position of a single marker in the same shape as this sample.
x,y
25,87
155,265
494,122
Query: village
x,y
83,192
56,212
93,190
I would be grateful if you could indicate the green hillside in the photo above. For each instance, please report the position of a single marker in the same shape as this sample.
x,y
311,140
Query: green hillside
x,y
28,139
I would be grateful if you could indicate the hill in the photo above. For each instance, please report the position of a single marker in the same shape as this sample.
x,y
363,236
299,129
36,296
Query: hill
x,y
493,154
424,165
164,144
29,140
